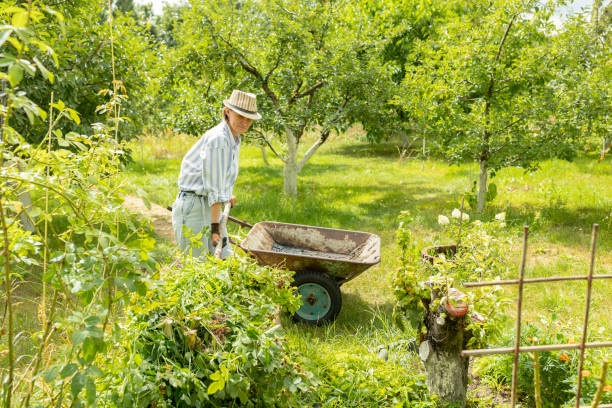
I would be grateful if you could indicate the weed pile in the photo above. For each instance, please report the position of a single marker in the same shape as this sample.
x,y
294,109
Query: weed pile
x,y
206,337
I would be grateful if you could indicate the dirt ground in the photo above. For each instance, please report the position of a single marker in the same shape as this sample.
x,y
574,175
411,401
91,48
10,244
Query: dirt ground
x,y
160,216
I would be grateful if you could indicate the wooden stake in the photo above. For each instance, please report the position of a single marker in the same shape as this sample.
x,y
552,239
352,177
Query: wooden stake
x,y
602,384
518,315
586,314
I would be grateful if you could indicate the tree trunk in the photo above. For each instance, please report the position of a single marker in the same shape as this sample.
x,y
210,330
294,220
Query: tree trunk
x,y
482,185
290,170
447,371
264,155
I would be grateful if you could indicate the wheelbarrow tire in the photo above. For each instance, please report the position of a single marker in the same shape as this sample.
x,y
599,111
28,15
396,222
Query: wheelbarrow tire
x,y
321,296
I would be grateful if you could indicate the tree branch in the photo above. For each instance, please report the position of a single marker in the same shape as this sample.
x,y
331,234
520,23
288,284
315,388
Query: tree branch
x,y
262,137
313,149
248,67
324,135
307,92
503,40
276,64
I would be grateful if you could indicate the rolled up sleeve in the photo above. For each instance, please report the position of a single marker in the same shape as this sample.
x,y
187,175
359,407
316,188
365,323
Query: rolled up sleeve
x,y
215,173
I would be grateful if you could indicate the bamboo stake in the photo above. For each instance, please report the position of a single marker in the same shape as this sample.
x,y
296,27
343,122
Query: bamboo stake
x,y
3,97
524,349
602,384
518,315
537,383
533,280
9,306
45,249
586,313
7,266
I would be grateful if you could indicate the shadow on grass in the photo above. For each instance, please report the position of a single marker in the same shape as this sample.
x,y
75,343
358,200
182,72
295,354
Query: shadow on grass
x,y
327,206
561,225
357,318
386,150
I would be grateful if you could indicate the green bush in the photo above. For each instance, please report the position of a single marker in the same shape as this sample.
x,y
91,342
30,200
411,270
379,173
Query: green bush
x,y
206,337
481,255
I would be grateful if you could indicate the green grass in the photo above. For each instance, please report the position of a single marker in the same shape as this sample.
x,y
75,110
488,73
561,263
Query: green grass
x,y
353,185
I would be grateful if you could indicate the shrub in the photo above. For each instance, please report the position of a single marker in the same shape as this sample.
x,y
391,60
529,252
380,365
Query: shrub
x,y
206,337
480,255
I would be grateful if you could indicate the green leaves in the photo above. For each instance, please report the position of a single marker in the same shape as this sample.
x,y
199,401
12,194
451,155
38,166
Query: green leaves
x,y
218,380
15,74
209,332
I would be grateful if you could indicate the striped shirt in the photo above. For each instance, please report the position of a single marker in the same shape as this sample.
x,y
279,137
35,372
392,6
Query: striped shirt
x,y
210,167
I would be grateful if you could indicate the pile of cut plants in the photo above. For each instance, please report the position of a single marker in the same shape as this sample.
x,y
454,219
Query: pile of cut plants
x,y
206,336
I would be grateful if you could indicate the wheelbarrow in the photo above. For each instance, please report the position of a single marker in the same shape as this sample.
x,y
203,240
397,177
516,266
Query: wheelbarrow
x,y
323,259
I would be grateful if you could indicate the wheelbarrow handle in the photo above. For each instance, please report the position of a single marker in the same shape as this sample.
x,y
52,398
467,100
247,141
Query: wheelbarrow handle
x,y
239,222
229,217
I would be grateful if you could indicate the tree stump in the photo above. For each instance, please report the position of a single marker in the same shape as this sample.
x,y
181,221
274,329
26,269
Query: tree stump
x,y
440,350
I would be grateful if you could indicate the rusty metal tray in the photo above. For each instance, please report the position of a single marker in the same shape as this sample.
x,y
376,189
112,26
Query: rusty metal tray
x,y
340,253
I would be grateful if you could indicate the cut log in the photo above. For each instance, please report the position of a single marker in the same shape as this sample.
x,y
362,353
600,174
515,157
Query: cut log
x,y
447,371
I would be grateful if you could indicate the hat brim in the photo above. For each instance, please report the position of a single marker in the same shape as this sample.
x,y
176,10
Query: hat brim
x,y
250,115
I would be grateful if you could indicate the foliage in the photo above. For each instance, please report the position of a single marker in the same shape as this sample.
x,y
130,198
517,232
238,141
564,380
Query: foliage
x,y
311,69
558,368
85,252
71,44
497,88
205,336
481,254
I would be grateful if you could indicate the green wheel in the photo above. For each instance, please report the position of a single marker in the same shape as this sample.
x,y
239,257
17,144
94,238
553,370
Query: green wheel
x,y
321,297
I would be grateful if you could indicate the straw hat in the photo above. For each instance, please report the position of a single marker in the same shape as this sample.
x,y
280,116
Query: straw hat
x,y
243,103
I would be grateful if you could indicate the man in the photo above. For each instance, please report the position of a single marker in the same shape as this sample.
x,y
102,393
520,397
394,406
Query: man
x,y
207,177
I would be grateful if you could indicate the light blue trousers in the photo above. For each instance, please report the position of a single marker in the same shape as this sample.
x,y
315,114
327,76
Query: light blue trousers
x,y
191,223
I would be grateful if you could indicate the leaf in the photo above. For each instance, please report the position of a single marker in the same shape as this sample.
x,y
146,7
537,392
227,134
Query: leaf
x,y
94,371
77,384
90,349
20,19
4,35
215,386
45,73
6,60
15,74
51,374
59,105
79,145
74,115
92,320
90,391
79,337
68,370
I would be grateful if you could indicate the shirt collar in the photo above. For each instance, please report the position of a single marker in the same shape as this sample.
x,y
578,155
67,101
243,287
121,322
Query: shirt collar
x,y
235,141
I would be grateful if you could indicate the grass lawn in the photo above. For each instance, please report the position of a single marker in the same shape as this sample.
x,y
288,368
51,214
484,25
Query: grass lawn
x,y
353,185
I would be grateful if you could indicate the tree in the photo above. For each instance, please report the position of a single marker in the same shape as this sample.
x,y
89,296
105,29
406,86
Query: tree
x,y
81,67
488,88
314,65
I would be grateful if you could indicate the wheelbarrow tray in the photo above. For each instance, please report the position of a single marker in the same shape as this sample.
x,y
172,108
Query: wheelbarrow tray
x,y
340,253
